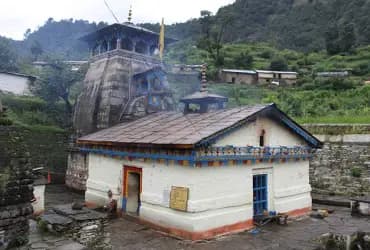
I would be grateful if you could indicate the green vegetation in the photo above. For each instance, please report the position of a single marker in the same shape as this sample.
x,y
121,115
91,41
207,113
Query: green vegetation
x,y
356,172
307,106
34,113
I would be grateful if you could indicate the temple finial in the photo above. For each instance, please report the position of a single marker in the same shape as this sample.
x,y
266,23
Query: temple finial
x,y
203,87
130,14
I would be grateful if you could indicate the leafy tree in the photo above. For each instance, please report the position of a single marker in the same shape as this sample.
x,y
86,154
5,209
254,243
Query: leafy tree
x,y
8,59
212,36
332,40
243,61
55,83
36,50
279,63
348,38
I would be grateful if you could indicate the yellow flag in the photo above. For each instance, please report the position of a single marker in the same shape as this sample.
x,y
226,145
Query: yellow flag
x,y
161,40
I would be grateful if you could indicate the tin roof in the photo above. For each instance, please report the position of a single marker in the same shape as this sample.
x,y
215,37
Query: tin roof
x,y
240,71
175,129
205,96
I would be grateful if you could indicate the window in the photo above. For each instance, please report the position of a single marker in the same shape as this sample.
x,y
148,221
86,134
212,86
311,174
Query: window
x,y
262,138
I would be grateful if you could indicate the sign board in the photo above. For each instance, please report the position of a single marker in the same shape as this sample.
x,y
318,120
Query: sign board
x,y
179,198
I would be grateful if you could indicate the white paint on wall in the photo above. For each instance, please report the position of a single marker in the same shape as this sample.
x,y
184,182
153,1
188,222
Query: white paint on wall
x,y
249,134
14,84
39,194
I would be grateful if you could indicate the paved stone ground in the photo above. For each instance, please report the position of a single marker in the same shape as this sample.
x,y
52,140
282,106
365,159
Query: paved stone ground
x,y
299,234
126,234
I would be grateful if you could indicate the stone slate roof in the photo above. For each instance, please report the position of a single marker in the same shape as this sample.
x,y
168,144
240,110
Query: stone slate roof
x,y
177,130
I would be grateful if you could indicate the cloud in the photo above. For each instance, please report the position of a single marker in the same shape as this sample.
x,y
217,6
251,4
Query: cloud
x,y
15,20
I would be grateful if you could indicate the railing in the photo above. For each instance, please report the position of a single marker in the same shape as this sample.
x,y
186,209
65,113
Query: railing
x,y
250,152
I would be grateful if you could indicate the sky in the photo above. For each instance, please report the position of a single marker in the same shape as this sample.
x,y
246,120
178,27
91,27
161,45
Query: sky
x,y
16,16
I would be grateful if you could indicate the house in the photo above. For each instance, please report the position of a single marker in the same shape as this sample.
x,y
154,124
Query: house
x,y
333,74
238,76
278,77
204,172
16,83
75,65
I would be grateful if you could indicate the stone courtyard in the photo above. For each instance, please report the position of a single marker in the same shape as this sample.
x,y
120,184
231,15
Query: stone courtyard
x,y
126,233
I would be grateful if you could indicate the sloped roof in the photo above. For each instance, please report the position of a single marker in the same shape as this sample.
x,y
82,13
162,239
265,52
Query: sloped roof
x,y
175,129
205,95
122,27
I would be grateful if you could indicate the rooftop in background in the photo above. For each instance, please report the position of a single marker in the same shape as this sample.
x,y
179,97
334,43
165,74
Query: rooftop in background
x,y
240,71
186,131
123,28
30,77
276,72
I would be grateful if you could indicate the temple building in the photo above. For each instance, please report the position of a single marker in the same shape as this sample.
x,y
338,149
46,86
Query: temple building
x,y
203,172
125,80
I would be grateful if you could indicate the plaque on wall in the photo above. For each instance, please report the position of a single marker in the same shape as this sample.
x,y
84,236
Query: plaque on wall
x,y
179,198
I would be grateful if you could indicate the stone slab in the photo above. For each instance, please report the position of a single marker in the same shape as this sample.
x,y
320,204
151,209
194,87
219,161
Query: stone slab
x,y
71,246
67,210
54,219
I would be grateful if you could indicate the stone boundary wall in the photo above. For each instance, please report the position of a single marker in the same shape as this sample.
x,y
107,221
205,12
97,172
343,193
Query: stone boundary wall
x,y
47,149
342,166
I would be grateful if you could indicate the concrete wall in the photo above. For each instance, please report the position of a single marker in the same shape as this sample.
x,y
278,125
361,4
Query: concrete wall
x,y
342,166
217,196
238,78
14,84
248,135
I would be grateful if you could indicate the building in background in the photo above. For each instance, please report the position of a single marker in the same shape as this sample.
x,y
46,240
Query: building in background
x,y
75,65
239,76
16,83
276,77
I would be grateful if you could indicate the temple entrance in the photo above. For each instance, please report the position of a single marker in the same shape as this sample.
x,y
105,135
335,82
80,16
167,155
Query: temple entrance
x,y
133,190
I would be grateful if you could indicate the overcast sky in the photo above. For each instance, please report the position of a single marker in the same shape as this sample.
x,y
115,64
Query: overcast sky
x,y
18,15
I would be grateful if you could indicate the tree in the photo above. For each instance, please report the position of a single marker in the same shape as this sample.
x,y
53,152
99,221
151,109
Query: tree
x,y
8,59
278,63
36,50
332,40
55,83
243,61
211,38
348,37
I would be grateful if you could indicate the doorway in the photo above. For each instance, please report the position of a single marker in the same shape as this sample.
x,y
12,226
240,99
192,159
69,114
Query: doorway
x,y
259,194
132,190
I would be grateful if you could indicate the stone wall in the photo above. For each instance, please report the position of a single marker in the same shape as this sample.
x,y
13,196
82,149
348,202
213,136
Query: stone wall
x,y
16,192
47,149
342,166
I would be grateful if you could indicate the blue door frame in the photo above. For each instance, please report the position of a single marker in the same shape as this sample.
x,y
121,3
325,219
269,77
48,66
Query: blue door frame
x,y
259,194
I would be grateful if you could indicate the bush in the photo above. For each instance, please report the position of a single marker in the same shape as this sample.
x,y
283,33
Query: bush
x,y
356,172
279,64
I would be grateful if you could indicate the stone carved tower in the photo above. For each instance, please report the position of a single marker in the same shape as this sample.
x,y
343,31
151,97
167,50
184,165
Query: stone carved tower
x,y
125,80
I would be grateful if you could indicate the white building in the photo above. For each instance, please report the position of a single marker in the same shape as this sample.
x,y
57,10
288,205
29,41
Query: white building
x,y
279,77
198,175
15,83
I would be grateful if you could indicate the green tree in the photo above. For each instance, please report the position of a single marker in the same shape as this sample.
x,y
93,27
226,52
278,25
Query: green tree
x,y
243,61
8,59
332,40
278,63
36,50
348,38
55,83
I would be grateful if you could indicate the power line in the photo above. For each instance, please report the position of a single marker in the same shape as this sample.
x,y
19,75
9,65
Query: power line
x,y
111,11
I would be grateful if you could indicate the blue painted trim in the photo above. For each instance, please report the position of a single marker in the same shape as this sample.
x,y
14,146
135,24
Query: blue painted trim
x,y
240,154
124,203
138,155
299,131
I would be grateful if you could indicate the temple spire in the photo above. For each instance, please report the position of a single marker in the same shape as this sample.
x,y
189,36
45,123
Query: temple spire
x,y
203,87
129,15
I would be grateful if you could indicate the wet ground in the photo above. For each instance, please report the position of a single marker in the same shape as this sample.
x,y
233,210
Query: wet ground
x,y
298,234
